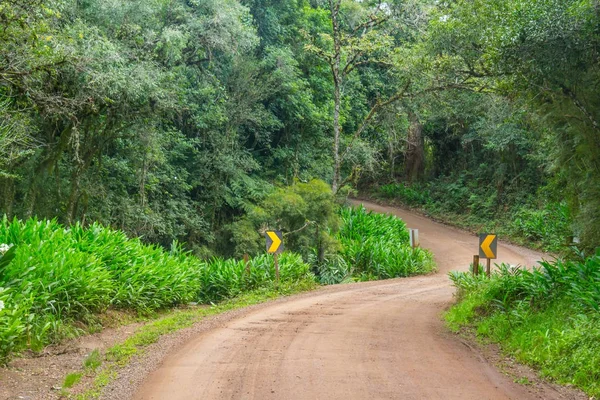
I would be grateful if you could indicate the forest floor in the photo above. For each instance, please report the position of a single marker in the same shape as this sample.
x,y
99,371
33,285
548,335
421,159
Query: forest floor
x,y
381,340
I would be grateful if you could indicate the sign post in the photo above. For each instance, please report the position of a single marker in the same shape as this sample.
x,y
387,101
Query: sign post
x,y
247,265
488,249
275,247
414,238
276,261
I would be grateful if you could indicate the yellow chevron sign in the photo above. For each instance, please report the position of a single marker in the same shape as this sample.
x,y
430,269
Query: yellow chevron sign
x,y
274,242
488,246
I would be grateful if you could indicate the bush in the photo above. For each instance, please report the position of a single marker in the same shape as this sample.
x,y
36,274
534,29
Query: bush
x,y
307,209
333,269
222,279
550,225
410,195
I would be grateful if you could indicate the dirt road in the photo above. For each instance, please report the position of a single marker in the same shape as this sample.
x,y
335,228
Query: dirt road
x,y
368,341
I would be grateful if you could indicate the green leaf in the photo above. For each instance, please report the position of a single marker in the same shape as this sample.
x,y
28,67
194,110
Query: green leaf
x,y
8,257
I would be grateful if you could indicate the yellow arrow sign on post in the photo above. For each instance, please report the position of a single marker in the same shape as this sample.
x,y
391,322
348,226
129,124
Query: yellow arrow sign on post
x,y
274,242
275,246
488,246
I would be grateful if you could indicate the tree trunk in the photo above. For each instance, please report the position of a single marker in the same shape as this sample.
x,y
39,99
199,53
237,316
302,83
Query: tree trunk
x,y
337,82
73,197
8,196
392,158
336,140
415,150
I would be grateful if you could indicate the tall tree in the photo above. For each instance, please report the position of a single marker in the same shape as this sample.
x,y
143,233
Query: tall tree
x,y
353,42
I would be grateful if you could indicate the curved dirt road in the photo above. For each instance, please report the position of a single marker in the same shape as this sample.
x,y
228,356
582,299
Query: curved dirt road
x,y
376,341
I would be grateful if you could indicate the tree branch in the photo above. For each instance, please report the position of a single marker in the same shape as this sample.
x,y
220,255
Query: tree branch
x,y
569,93
378,105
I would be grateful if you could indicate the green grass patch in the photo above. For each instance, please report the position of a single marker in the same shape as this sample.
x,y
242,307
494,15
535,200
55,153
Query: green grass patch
x,y
548,318
72,380
93,361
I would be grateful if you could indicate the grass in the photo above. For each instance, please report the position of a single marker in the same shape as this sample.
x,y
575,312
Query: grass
x,y
548,318
72,380
93,361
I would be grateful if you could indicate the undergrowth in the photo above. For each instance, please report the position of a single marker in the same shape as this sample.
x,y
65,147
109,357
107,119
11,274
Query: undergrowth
x,y
546,226
548,318
57,282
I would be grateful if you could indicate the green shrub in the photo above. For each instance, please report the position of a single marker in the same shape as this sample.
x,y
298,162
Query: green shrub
x,y
410,195
306,209
333,269
550,225
222,279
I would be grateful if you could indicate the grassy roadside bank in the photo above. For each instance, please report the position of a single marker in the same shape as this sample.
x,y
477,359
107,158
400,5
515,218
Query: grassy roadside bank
x,y
547,318
59,283
56,283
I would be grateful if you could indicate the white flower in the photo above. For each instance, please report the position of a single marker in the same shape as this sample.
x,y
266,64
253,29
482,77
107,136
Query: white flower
x,y
4,248
1,305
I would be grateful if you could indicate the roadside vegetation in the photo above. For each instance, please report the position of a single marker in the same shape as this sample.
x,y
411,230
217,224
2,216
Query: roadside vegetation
x,y
377,246
548,317
196,125
56,281
541,223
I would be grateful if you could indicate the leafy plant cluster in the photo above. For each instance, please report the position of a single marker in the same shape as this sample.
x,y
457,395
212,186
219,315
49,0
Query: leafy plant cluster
x,y
53,277
410,195
547,317
376,246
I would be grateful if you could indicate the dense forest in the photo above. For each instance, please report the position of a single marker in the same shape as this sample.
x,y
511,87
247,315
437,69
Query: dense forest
x,y
192,120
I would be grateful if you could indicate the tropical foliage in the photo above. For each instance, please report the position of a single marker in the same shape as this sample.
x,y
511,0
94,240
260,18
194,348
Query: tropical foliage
x,y
52,277
377,246
56,281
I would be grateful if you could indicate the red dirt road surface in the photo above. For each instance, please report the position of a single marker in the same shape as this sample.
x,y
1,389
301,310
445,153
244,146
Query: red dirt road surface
x,y
377,341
